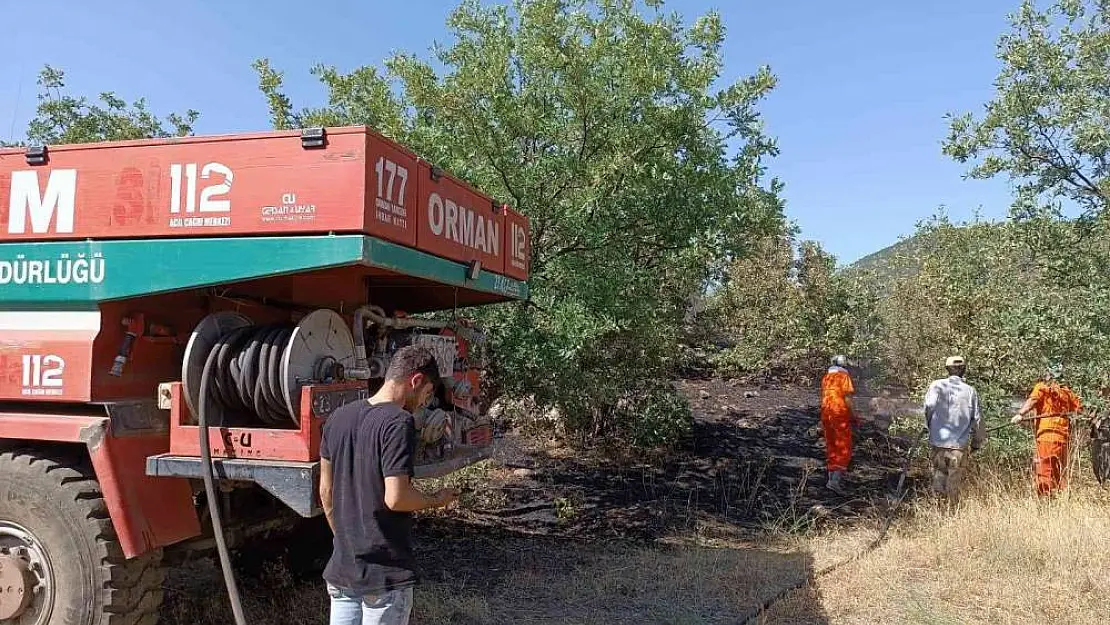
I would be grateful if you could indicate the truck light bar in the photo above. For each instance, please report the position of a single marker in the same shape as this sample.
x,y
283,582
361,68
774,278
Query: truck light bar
x,y
36,155
314,138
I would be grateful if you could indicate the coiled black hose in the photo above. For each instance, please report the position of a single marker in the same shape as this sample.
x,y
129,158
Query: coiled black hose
x,y
247,375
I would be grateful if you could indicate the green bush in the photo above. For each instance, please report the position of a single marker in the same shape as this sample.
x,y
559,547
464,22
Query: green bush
x,y
659,417
785,309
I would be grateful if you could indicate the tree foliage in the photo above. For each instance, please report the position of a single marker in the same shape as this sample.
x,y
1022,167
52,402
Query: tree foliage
x,y
968,278
63,118
784,309
1048,126
599,120
989,292
1034,289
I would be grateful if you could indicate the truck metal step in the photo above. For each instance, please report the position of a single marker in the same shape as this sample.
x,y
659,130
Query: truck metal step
x,y
293,483
296,484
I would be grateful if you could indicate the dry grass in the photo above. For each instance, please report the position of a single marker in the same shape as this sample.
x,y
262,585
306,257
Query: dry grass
x,y
1001,556
541,582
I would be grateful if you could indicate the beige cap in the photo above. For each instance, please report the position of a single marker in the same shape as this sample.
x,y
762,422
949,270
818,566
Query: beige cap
x,y
955,361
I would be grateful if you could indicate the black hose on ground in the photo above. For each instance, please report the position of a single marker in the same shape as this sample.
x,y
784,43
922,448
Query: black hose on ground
x,y
898,497
207,379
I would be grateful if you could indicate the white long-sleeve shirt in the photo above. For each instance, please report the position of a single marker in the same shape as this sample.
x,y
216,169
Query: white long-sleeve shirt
x,y
952,413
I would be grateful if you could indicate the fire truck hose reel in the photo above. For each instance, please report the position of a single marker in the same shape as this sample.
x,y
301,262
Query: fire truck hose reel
x,y
259,369
246,378
256,370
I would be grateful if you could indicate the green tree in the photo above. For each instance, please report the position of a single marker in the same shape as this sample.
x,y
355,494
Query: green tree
x,y
1048,126
600,120
854,325
756,311
64,118
815,269
785,308
1048,129
980,289
967,277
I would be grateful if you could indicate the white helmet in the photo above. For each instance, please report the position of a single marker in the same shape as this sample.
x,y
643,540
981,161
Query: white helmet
x,y
840,360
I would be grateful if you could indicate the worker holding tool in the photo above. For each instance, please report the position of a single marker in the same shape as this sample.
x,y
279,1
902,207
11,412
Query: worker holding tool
x,y
836,421
366,491
955,426
1053,403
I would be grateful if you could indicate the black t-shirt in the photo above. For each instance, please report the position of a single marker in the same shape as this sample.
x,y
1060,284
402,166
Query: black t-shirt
x,y
372,548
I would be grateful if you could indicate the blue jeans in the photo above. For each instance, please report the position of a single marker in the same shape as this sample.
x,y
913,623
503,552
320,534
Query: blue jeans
x,y
388,608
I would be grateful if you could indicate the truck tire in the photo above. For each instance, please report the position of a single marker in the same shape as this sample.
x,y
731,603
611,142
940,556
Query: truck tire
x,y
54,507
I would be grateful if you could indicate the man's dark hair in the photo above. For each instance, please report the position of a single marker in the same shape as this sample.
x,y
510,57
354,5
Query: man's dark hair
x,y
957,370
411,360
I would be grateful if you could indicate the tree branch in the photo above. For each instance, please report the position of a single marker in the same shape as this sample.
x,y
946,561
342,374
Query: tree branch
x,y
1063,171
493,162
1073,167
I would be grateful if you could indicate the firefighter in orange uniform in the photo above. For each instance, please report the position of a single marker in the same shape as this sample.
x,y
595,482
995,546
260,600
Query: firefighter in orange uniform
x,y
836,421
1056,404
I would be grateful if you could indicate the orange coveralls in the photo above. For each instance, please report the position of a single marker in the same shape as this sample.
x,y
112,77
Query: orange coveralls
x,y
1052,434
836,417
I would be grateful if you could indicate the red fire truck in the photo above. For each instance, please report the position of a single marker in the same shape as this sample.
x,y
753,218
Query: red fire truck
x,y
182,311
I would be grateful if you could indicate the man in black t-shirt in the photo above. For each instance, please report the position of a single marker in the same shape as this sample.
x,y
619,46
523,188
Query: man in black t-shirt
x,y
366,491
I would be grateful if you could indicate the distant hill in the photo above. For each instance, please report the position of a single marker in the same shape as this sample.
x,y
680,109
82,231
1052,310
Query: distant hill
x,y
892,262
882,258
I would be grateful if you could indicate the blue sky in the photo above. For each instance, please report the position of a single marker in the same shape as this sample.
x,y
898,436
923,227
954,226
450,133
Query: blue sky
x,y
858,112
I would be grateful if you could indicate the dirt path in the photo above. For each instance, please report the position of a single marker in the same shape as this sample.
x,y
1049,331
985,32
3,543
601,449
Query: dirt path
x,y
546,536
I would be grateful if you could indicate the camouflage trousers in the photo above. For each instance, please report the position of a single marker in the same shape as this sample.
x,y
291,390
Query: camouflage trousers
x,y
949,468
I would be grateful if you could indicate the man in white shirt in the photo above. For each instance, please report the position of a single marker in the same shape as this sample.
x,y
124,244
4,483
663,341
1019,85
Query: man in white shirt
x,y
955,425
